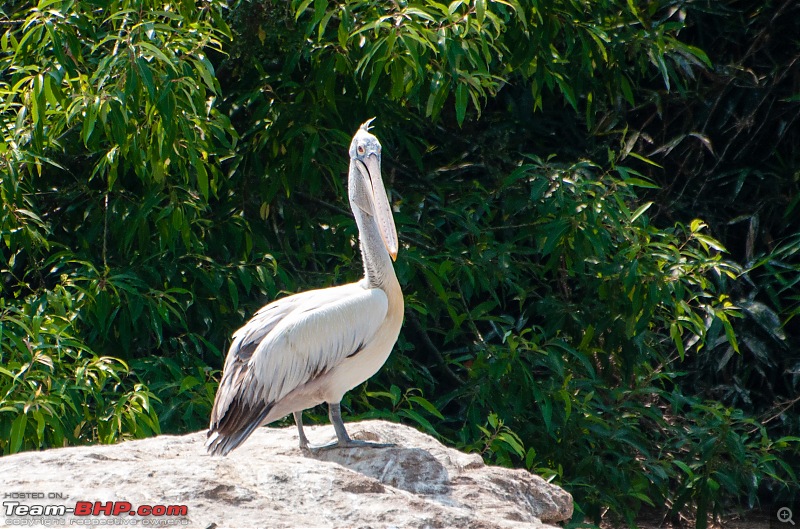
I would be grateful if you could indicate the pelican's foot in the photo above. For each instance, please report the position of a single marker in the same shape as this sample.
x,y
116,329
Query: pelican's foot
x,y
350,443
342,439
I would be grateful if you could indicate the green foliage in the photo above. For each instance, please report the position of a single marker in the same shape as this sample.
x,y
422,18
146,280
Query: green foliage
x,y
500,443
723,453
111,161
129,82
427,53
168,168
186,391
409,405
54,390
728,148
543,285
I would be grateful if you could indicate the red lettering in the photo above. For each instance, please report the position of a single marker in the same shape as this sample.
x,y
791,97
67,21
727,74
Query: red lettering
x,y
112,508
177,510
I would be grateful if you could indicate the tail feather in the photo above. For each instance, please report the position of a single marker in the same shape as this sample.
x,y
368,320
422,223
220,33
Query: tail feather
x,y
233,428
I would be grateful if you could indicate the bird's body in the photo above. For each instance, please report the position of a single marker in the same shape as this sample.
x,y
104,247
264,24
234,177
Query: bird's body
x,y
313,347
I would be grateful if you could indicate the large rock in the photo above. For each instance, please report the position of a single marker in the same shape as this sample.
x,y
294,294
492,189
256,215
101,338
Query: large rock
x,y
269,482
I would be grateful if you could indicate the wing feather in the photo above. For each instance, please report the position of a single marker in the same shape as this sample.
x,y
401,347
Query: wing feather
x,y
315,339
285,345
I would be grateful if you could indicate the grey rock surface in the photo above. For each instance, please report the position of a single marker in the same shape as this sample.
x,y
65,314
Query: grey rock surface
x,y
270,482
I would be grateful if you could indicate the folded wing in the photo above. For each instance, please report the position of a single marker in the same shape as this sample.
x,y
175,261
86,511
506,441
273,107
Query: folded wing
x,y
285,345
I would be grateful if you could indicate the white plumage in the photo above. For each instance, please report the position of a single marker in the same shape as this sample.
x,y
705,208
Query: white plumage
x,y
312,347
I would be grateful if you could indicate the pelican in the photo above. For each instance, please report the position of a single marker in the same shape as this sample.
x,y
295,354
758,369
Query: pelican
x,y
313,347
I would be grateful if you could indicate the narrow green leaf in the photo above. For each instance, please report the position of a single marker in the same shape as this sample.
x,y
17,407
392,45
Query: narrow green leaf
x,y
710,241
146,76
302,8
461,103
4,41
188,383
156,53
683,466
420,420
640,211
625,85
645,160
513,442
320,8
376,75
206,70
662,67
638,182
547,412
202,179
480,10
427,405
530,458
40,424
342,35
675,334
700,54
233,292
17,433
567,91
453,7
89,122
730,334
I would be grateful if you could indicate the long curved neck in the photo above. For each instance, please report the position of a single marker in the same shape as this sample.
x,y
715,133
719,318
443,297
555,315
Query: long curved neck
x,y
378,269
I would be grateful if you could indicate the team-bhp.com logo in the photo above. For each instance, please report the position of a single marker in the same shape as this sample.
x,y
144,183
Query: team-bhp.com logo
x,y
90,512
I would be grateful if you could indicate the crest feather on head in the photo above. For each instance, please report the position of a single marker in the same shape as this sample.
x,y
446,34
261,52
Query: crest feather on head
x,y
367,125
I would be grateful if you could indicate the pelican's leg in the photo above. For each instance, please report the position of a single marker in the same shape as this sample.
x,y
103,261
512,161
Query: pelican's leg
x,y
344,440
335,415
298,419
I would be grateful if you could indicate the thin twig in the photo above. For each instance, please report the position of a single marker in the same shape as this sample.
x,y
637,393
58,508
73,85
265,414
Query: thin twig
x,y
412,318
782,409
320,202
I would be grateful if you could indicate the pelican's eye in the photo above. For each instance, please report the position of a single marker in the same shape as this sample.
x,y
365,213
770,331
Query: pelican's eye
x,y
360,149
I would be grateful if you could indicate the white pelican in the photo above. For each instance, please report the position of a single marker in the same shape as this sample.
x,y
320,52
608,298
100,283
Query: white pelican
x,y
312,347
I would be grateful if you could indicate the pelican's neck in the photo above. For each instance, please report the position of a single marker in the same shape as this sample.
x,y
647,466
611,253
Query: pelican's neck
x,y
378,269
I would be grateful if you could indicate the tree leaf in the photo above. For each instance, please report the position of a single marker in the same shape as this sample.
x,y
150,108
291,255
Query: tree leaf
x,y
461,103
17,433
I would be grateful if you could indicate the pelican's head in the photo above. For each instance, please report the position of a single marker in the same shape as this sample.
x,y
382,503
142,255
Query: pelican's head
x,y
364,143
368,193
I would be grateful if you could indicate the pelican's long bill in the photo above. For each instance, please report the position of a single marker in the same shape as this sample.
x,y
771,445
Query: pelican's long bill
x,y
371,171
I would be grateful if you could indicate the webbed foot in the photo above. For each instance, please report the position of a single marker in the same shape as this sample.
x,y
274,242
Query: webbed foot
x,y
349,443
